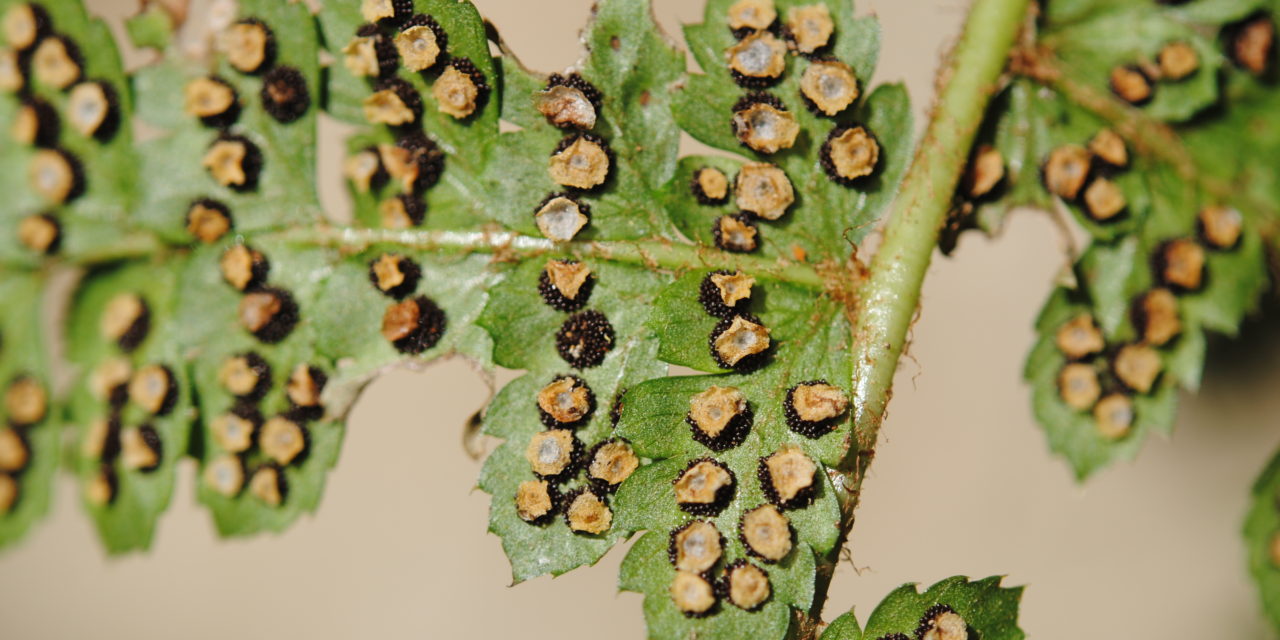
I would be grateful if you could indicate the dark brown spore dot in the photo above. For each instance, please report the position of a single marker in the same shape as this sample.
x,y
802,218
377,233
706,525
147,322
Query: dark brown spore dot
x,y
710,186
270,314
154,389
737,233
395,275
1131,84
38,125
1179,264
250,46
461,90
724,293
94,109
246,376
1220,227
849,154
213,100
565,285
126,320
426,156
746,585
705,487
766,533
57,175
585,339
244,267
414,43
739,342
208,220
610,463
141,449
537,501
25,25
41,233
813,408
284,94
269,484
566,402
414,325
719,418
1251,43
788,477
587,512
695,546
234,162
406,93
1155,315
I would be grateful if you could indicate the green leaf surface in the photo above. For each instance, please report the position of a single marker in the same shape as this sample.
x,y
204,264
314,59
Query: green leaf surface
x,y
1262,538
826,215
285,193
23,356
988,609
128,521
523,328
89,221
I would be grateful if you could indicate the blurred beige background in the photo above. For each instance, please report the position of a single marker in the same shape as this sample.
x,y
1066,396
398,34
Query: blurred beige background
x,y
962,482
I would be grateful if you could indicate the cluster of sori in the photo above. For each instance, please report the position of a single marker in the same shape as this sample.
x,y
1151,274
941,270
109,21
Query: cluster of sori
x,y
566,404
395,38
720,418
25,405
739,341
1248,42
245,441
762,123
1085,176
135,393
1103,377
586,337
581,162
412,324
939,622
43,67
232,159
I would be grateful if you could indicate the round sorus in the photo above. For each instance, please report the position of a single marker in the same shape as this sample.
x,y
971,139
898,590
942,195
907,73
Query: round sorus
x,y
587,512
284,94
394,275
719,417
813,407
413,325
766,533
762,123
566,401
461,89
560,217
585,339
739,342
269,314
710,186
788,477
1079,337
565,285
746,585
140,448
737,233
705,487
849,154
249,45
1078,386
723,293
695,546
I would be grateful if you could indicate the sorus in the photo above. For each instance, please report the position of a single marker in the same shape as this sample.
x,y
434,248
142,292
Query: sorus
x,y
849,154
587,512
705,487
739,342
213,100
746,585
762,123
250,46
561,216
723,293
585,339
461,89
234,162
270,314
284,94
565,285
695,546
766,533
788,477
125,320
737,233
414,325
812,408
421,42
710,186
394,275
565,402
719,417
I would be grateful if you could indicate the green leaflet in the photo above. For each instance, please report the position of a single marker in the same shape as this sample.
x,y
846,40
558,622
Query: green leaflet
x,y
1262,538
808,336
90,217
459,199
634,67
282,193
704,107
989,610
26,490
1223,145
523,328
116,401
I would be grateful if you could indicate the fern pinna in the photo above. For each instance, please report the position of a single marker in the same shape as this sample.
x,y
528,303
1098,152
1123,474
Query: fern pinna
x,y
548,223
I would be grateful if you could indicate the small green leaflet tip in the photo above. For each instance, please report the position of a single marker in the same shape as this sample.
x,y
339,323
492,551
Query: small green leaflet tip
x,y
1262,539
953,609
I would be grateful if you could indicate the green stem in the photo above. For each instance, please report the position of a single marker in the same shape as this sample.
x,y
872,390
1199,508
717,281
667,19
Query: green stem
x,y
888,299
661,254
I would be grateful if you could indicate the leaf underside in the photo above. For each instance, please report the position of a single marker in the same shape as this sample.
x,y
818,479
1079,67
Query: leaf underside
x,y
229,321
988,611
1197,143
